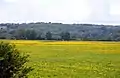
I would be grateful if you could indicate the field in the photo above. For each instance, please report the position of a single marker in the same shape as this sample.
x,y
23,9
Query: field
x,y
52,59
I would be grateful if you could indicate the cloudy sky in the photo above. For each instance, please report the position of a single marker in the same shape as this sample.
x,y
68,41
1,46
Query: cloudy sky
x,y
64,11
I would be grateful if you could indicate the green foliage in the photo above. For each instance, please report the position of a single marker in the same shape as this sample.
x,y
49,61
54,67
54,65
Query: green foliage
x,y
26,34
65,36
31,34
20,34
48,35
86,32
12,63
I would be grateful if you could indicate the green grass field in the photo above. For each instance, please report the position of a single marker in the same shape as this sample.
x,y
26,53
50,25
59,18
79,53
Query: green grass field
x,y
72,59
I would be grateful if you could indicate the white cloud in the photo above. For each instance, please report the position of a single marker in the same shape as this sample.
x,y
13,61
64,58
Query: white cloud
x,y
67,11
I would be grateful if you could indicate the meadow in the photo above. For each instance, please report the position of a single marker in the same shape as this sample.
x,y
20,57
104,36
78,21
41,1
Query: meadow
x,y
73,59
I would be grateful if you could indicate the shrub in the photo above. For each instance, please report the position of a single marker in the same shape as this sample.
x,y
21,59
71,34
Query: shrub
x,y
12,62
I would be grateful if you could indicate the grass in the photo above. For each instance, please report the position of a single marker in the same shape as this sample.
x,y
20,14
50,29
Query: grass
x,y
72,59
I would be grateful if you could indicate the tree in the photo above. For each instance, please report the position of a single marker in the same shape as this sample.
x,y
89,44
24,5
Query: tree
x,y
39,36
31,34
26,34
12,63
117,36
48,35
20,34
65,36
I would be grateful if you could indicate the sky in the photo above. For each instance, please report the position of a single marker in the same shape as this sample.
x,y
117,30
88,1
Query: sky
x,y
62,11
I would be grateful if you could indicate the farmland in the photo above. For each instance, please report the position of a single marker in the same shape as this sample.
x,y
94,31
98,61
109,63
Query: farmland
x,y
73,59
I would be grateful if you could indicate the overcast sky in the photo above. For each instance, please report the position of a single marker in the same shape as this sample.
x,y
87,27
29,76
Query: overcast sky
x,y
64,11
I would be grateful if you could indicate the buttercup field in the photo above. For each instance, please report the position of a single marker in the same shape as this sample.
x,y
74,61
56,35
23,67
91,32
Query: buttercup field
x,y
73,59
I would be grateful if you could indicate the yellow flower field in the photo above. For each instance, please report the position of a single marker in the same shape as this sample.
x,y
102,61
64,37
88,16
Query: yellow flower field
x,y
71,59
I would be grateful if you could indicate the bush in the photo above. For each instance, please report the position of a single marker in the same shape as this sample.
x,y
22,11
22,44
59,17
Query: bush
x,y
12,63
2,37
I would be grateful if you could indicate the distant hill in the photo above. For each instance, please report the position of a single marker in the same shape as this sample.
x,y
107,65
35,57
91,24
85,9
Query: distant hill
x,y
77,31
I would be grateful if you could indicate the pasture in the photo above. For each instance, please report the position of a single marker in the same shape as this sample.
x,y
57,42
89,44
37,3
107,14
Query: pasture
x,y
73,59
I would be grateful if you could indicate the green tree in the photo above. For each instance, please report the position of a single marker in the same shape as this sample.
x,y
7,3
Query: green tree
x,y
26,34
12,63
20,34
117,36
39,36
31,34
65,36
48,35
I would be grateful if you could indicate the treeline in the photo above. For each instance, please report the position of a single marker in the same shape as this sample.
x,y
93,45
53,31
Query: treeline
x,y
59,31
33,35
23,34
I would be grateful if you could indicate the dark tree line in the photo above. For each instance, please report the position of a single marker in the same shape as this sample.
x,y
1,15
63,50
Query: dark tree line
x,y
59,31
33,35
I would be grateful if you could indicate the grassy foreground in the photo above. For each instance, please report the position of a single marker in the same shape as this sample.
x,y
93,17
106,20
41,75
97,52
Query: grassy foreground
x,y
72,59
